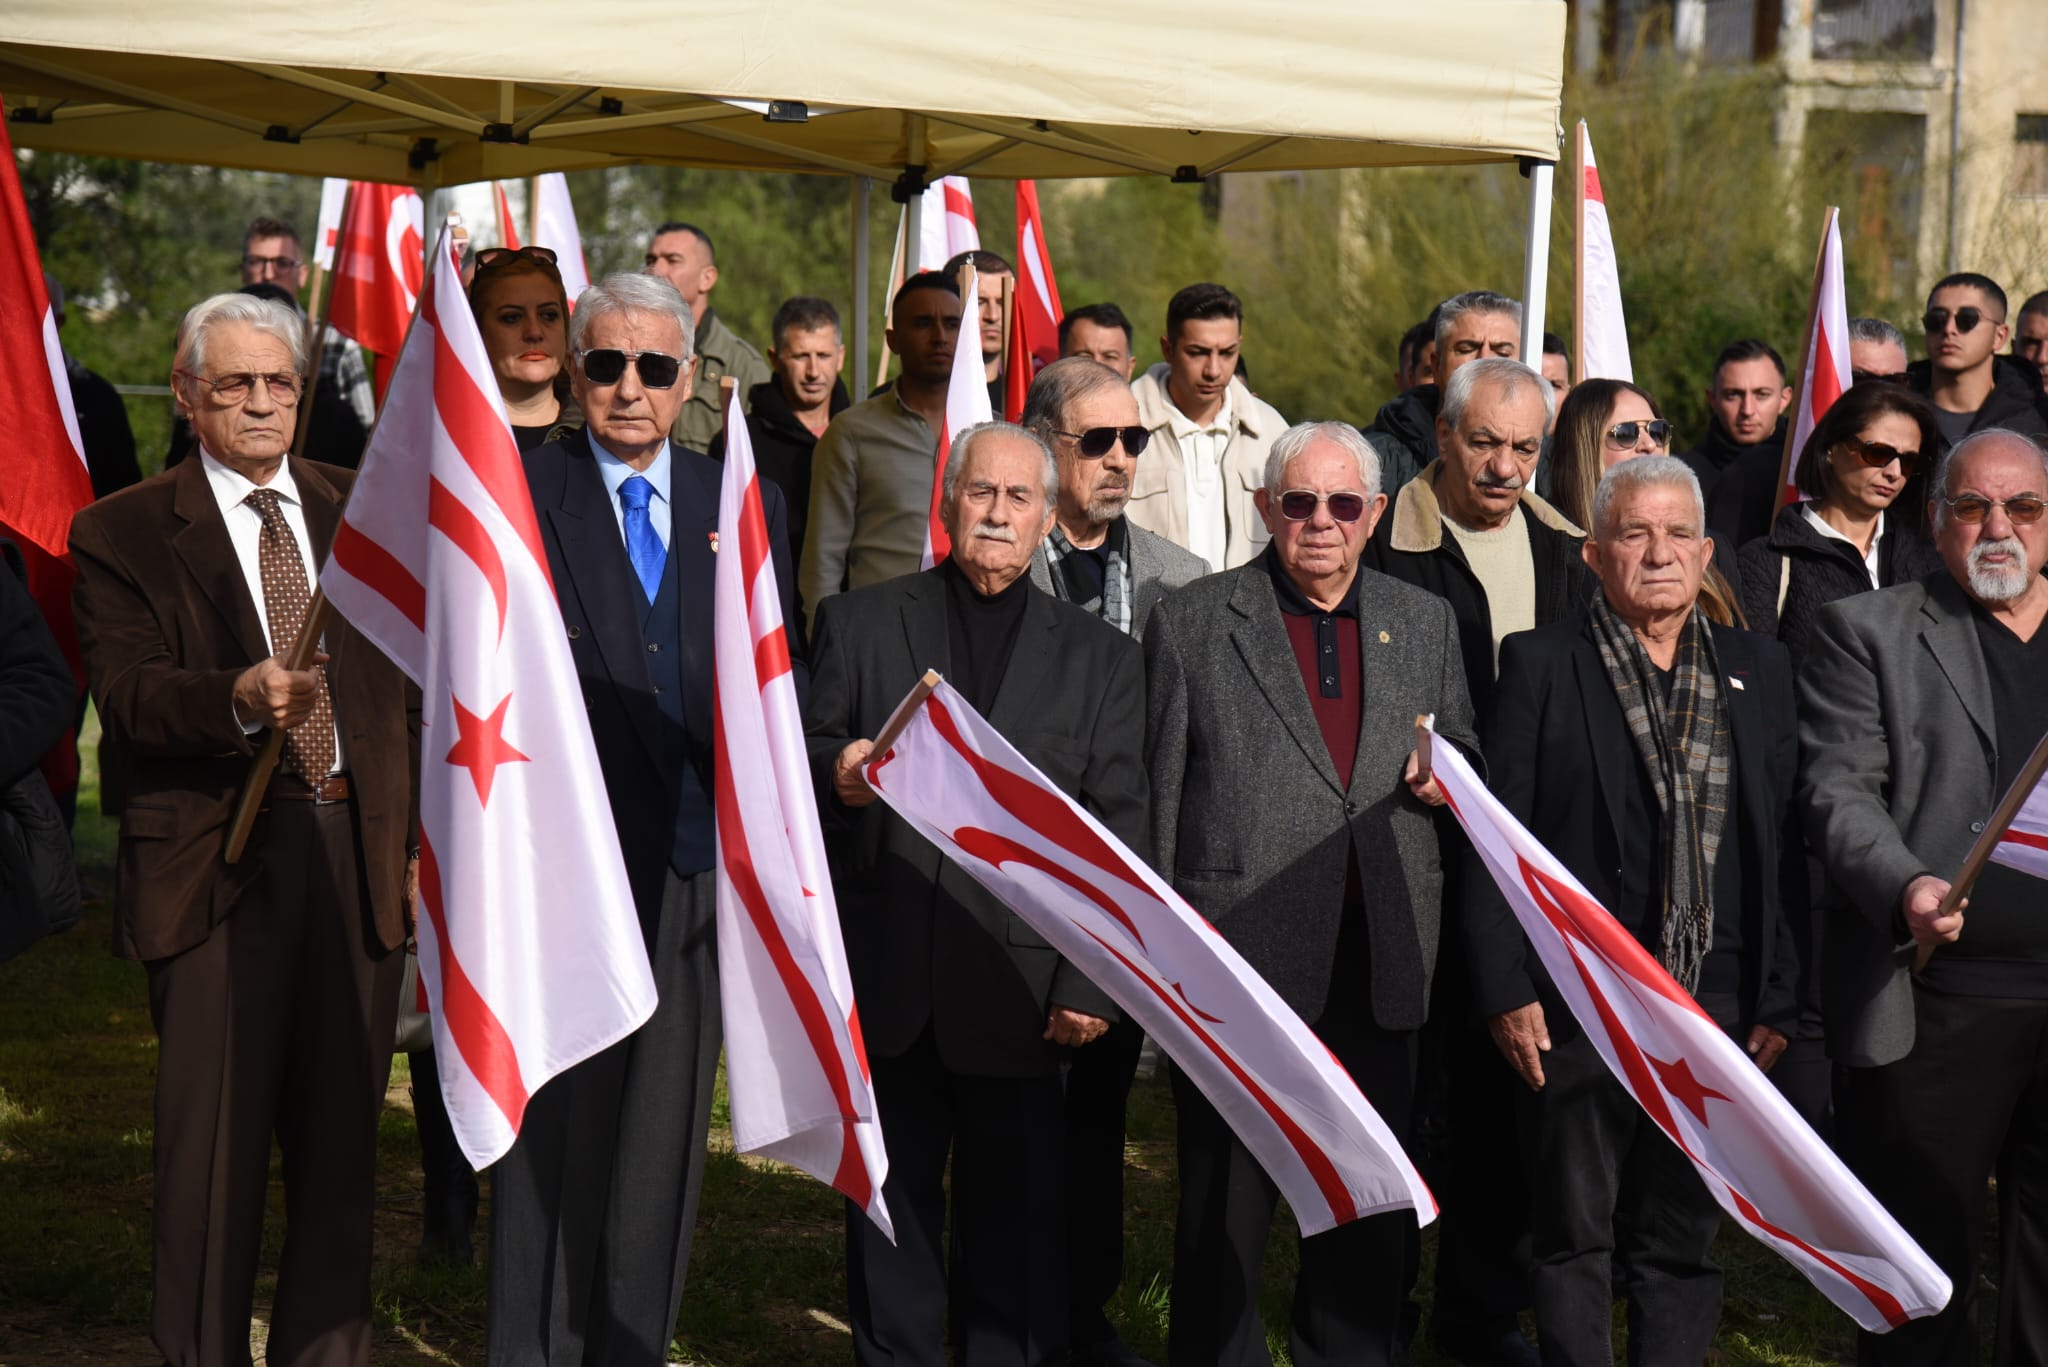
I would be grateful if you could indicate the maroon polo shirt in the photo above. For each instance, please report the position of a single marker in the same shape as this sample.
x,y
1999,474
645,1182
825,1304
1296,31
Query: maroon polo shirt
x,y
1326,649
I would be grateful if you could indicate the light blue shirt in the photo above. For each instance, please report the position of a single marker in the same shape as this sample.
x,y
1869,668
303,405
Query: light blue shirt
x,y
617,472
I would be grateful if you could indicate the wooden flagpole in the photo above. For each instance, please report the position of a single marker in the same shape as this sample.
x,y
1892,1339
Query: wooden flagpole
x,y
316,326
905,710
898,273
1987,841
1788,456
250,800
1578,254
1009,304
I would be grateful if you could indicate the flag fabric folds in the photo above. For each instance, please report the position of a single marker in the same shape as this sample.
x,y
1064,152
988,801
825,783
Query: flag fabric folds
x,y
2024,846
967,790
966,404
508,227
528,940
1824,369
1760,1161
1037,308
554,227
1602,331
327,230
795,1067
378,266
946,226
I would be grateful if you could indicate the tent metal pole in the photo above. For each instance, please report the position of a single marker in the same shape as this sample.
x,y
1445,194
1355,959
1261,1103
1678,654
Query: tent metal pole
x,y
859,308
1536,262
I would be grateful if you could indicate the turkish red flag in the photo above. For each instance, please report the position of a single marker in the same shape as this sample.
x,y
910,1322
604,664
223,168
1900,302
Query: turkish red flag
x,y
45,479
508,231
1035,333
378,269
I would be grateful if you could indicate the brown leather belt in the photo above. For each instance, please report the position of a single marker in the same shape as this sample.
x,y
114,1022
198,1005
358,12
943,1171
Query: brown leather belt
x,y
292,788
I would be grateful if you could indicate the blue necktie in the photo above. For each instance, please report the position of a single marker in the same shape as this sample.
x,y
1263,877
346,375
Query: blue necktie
x,y
643,543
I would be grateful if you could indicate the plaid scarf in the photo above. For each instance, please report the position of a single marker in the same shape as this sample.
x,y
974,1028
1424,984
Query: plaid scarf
x,y
1686,747
1072,584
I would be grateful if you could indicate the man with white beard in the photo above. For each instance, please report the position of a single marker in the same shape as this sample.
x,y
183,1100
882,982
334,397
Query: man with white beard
x,y
1919,704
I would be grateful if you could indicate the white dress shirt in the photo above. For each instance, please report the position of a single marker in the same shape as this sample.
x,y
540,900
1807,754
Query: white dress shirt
x,y
231,490
617,472
1201,458
1870,557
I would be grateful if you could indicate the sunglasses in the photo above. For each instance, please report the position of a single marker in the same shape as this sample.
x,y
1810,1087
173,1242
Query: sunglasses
x,y
1624,435
1299,505
1096,441
496,256
1879,376
1936,320
1877,454
2021,509
607,365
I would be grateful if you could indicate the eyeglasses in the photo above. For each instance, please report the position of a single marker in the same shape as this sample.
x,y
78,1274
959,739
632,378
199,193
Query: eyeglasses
x,y
607,365
1299,505
279,264
1624,435
498,256
1936,320
1879,376
1877,454
1094,444
2021,509
236,386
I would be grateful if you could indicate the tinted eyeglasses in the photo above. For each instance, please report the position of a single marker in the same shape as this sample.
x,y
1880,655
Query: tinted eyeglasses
x,y
1299,505
1877,455
1936,320
1094,443
1624,435
499,256
237,385
2021,509
607,365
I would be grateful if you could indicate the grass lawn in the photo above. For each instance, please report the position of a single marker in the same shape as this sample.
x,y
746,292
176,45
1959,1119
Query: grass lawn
x,y
766,1286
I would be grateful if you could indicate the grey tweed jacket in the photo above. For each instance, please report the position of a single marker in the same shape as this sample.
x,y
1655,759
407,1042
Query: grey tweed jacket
x,y
1157,566
1249,820
1898,766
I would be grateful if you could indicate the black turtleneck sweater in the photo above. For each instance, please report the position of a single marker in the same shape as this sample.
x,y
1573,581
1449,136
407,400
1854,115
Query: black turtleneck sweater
x,y
981,631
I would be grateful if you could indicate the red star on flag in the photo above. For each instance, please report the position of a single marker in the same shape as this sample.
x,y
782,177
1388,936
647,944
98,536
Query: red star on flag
x,y
1679,1081
481,745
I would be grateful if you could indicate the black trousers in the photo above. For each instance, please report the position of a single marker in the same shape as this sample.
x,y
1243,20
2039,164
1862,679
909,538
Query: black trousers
x,y
1098,1089
593,1208
449,1187
1352,1285
1610,1192
279,1024
1927,1133
1006,1267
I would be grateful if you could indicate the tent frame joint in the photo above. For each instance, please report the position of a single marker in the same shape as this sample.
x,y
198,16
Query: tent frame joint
x,y
911,182
504,133
278,132
423,151
1188,175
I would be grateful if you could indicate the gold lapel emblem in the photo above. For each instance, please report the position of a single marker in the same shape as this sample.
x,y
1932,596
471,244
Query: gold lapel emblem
x,y
1384,638
714,541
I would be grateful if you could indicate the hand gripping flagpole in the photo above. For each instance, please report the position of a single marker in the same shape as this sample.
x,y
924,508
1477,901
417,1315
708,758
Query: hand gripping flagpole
x,y
1987,841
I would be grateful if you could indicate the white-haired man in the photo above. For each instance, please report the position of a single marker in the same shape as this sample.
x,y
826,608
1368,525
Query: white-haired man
x,y
1282,699
1654,754
1918,705
273,984
592,1210
968,1014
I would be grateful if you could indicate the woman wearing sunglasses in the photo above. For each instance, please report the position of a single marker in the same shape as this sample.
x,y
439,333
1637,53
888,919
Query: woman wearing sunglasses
x,y
1600,424
1864,522
522,310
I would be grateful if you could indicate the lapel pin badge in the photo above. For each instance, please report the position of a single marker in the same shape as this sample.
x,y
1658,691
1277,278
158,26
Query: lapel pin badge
x,y
1736,684
1384,638
714,541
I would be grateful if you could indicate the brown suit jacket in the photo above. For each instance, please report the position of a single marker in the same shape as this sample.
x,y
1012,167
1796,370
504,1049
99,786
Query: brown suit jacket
x,y
166,623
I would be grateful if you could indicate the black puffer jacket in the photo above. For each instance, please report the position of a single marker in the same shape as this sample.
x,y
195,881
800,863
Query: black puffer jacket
x,y
1403,432
1822,570
2016,402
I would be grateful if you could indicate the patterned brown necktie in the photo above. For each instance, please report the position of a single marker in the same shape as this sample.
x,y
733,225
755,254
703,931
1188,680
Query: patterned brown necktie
x,y
309,746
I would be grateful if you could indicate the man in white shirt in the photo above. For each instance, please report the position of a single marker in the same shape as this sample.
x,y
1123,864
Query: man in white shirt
x,y
1210,432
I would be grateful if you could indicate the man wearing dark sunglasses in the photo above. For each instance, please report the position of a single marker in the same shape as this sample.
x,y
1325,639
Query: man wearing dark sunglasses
x,y
1918,706
1289,808
1971,386
593,1208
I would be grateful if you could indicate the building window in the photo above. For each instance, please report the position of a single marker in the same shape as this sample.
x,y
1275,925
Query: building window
x,y
2030,155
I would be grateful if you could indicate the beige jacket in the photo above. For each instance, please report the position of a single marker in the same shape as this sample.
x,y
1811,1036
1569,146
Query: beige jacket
x,y
1159,501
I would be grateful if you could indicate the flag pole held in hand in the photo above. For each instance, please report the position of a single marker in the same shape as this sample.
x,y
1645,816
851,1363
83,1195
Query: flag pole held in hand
x,y
251,799
1988,840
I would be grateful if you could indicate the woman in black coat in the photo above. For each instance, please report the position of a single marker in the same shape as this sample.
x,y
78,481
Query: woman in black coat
x,y
1864,524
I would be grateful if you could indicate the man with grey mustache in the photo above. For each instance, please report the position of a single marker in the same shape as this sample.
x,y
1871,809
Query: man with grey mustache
x,y
1918,706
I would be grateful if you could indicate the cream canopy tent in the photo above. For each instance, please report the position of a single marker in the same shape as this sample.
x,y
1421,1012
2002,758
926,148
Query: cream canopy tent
x,y
904,91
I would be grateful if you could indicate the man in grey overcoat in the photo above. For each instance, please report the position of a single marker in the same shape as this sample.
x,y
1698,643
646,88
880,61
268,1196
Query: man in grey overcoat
x,y
1289,809
1918,706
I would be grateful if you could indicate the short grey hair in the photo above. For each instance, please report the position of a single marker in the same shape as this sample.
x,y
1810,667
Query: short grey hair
x,y
1511,376
1061,385
1877,332
1938,491
956,460
1295,441
632,292
272,316
1472,301
1645,472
